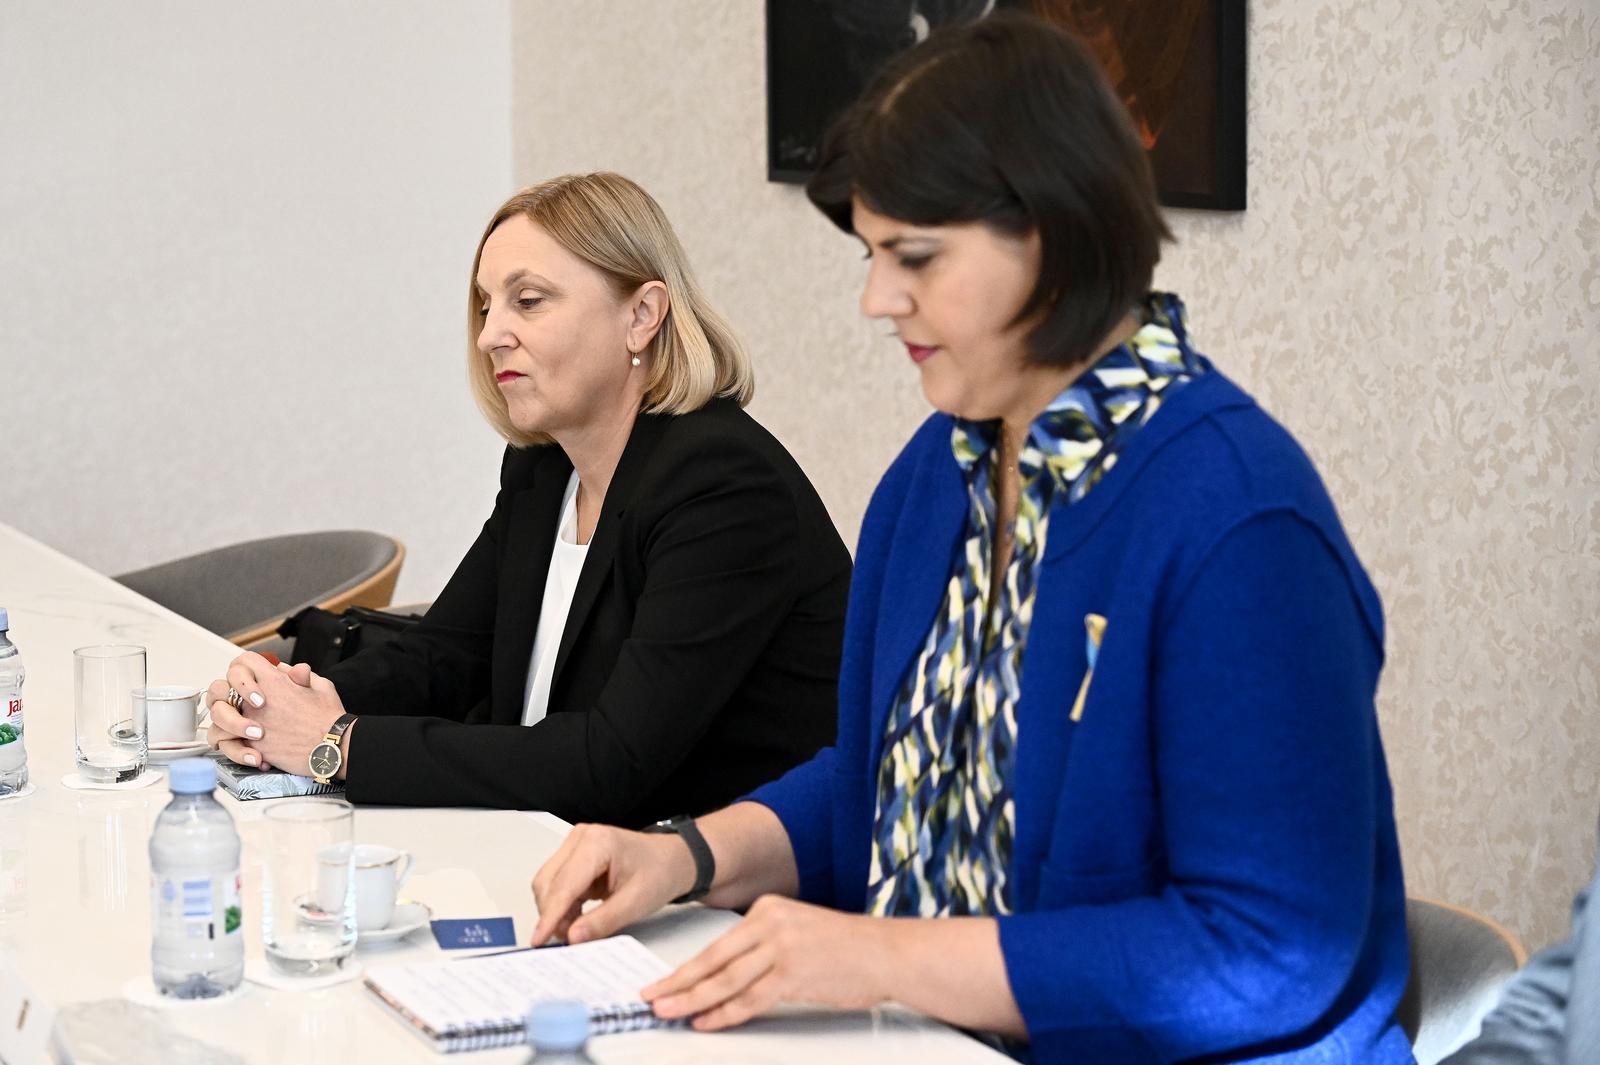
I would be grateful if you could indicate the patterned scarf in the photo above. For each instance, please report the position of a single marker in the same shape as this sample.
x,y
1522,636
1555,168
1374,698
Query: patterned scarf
x,y
946,817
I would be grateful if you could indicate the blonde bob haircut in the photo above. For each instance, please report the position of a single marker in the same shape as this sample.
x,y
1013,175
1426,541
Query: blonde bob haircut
x,y
616,227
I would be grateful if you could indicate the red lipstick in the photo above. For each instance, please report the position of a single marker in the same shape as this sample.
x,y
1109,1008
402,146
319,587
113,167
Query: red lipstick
x,y
919,352
507,375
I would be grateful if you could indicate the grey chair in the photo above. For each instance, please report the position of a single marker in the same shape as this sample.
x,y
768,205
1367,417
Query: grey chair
x,y
1459,961
243,591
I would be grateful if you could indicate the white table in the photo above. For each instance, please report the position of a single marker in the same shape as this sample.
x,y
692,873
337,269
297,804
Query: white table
x,y
74,875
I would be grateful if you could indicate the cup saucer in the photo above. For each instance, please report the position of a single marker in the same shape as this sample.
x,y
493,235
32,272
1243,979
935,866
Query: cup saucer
x,y
311,913
168,751
408,917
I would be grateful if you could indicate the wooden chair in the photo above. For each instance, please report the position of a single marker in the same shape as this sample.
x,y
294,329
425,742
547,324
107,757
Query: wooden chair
x,y
1459,961
245,590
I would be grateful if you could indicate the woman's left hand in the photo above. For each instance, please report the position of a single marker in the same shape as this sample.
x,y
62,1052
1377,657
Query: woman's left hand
x,y
783,951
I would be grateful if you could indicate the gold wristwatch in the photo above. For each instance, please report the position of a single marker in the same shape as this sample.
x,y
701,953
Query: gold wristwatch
x,y
326,758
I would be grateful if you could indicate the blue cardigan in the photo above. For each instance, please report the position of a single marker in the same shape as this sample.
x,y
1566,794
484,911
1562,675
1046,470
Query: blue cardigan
x,y
1205,862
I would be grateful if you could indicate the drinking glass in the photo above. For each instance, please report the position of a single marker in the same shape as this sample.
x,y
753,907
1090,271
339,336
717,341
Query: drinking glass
x,y
308,902
109,727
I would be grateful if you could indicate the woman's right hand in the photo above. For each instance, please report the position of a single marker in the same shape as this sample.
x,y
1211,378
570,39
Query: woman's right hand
x,y
633,874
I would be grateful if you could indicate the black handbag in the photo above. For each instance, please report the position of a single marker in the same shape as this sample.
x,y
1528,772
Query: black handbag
x,y
323,638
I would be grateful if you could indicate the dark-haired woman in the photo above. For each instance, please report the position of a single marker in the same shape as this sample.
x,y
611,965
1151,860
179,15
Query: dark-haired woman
x,y
1107,748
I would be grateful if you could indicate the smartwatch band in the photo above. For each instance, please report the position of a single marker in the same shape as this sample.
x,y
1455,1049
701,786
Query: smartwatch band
x,y
705,866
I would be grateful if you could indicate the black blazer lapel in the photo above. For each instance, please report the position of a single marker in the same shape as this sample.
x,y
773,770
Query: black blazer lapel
x,y
647,429
530,537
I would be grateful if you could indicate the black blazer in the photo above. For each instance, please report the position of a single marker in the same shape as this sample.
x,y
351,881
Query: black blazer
x,y
700,656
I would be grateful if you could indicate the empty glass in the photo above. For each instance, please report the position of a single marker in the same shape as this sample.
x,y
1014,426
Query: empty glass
x,y
308,904
109,727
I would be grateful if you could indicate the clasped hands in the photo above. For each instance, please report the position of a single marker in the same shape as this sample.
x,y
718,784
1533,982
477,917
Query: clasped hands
x,y
285,711
782,951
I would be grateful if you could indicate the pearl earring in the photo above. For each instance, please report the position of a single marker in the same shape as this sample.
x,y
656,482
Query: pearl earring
x,y
636,360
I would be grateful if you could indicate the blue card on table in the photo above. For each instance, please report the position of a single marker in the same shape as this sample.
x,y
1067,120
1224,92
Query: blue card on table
x,y
474,933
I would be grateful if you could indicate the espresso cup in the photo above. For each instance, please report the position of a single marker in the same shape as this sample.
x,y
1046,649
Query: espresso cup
x,y
379,872
333,877
172,712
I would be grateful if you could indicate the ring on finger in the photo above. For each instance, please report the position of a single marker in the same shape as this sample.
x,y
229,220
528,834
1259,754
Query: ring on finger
x,y
235,700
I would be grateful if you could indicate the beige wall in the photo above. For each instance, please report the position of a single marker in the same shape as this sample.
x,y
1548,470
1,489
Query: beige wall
x,y
233,244
1413,291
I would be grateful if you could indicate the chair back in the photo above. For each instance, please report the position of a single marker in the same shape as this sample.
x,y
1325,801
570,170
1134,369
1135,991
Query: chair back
x,y
1459,961
244,590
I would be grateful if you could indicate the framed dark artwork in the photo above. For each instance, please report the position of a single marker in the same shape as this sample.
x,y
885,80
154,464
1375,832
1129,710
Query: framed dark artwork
x,y
1179,65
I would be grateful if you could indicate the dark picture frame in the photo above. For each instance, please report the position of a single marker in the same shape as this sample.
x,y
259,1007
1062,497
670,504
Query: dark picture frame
x,y
821,53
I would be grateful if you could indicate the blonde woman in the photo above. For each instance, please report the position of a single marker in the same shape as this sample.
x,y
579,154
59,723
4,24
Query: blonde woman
x,y
650,622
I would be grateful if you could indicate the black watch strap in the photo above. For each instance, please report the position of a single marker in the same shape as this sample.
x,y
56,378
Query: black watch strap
x,y
705,866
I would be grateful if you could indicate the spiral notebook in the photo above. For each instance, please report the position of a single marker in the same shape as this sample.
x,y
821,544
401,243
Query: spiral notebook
x,y
478,1003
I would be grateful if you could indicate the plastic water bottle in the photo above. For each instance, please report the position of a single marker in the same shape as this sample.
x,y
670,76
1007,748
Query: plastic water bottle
x,y
559,1031
13,752
197,946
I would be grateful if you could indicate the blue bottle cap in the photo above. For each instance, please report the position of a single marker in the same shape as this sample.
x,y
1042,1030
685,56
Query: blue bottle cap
x,y
192,776
5,620
558,1025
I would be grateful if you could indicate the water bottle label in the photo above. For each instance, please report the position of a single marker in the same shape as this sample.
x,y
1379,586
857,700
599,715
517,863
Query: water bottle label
x,y
197,907
13,755
11,720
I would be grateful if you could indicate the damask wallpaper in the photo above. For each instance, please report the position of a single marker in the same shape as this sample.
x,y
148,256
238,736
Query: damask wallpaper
x,y
1414,291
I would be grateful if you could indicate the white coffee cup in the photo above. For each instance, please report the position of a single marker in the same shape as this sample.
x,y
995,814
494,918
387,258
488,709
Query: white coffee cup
x,y
172,712
379,872
333,877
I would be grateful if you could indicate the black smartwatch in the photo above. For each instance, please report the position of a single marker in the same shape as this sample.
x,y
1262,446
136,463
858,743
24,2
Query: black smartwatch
x,y
705,866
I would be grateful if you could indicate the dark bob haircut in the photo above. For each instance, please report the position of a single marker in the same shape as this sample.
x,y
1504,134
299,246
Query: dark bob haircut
x,y
1010,122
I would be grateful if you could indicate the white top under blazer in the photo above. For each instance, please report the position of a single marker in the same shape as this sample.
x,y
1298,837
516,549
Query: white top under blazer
x,y
566,562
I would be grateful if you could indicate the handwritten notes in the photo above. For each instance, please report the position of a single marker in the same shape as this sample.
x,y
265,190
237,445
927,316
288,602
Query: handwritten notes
x,y
494,991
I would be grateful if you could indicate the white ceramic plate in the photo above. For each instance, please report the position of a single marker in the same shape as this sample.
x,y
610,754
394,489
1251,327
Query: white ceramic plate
x,y
408,917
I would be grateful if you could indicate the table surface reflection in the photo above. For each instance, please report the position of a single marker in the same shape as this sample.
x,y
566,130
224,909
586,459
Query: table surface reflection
x,y
75,894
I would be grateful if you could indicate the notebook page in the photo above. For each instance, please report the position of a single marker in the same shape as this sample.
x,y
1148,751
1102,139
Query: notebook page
x,y
463,995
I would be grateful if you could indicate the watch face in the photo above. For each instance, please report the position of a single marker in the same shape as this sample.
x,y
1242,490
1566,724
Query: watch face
x,y
324,760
